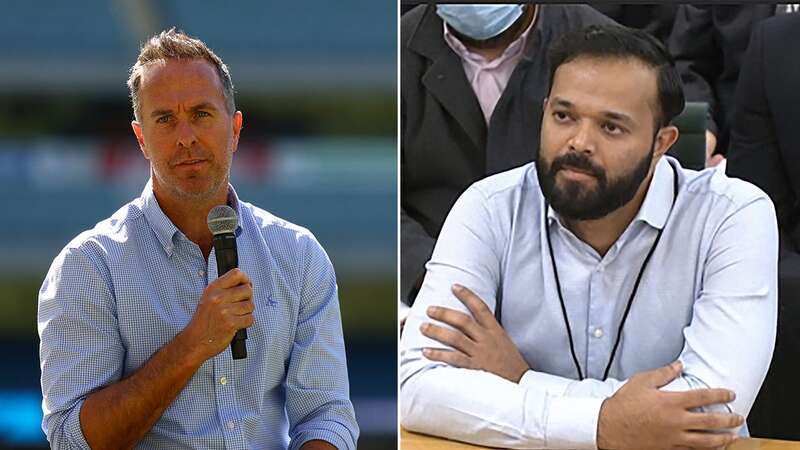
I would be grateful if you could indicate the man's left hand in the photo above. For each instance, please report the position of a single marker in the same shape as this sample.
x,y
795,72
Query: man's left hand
x,y
478,341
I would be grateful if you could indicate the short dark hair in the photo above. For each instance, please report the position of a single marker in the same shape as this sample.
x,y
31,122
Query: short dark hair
x,y
615,41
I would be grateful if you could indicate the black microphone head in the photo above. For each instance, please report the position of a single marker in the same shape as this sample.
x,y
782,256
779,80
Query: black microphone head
x,y
222,219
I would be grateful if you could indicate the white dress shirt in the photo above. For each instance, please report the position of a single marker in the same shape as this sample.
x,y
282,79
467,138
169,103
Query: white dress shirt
x,y
708,297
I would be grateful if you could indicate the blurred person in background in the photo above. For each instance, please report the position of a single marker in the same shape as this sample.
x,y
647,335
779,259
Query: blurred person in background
x,y
580,301
654,19
469,75
765,150
135,323
708,43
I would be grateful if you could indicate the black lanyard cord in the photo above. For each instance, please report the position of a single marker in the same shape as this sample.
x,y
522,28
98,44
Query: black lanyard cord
x,y
630,302
558,289
630,299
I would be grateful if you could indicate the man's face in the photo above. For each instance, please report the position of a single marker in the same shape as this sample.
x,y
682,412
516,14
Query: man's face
x,y
597,140
184,130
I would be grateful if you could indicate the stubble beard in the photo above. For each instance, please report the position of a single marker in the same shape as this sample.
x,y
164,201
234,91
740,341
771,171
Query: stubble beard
x,y
218,180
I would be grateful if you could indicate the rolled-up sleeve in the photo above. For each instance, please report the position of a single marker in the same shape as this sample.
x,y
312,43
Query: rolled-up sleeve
x,y
473,405
80,346
317,391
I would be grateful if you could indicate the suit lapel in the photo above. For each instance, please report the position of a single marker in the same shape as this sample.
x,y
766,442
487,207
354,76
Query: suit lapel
x,y
445,80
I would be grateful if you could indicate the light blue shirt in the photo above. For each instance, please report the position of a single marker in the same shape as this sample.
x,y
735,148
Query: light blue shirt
x,y
119,292
708,297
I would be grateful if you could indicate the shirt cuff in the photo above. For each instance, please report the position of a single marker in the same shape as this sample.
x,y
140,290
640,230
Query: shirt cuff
x,y
73,427
572,423
323,435
552,384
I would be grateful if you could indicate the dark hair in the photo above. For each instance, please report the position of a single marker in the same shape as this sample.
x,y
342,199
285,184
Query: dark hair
x,y
614,41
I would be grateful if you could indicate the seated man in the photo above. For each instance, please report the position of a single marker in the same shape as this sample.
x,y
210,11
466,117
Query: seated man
x,y
603,296
468,76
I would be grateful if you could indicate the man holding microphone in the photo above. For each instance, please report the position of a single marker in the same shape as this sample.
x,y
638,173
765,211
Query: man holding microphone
x,y
135,318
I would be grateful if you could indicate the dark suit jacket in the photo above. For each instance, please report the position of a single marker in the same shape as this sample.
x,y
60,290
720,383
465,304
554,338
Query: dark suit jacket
x,y
765,150
765,144
708,42
654,19
445,143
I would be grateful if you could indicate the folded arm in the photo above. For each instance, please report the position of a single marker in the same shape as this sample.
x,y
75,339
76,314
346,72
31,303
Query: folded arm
x,y
475,405
728,343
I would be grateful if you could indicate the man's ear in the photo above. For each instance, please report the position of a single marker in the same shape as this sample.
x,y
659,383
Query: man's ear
x,y
665,138
137,130
238,120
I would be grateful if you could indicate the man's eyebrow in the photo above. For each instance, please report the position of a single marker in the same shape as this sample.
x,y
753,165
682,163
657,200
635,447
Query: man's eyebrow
x,y
199,106
160,112
613,115
618,116
561,102
203,105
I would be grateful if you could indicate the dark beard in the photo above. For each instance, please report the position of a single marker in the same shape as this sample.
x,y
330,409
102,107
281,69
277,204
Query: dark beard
x,y
576,202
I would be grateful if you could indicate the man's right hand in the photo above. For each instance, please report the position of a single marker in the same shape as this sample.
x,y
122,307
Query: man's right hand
x,y
640,416
225,307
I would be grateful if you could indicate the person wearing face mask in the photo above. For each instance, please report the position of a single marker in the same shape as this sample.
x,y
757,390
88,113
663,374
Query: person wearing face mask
x,y
602,296
469,75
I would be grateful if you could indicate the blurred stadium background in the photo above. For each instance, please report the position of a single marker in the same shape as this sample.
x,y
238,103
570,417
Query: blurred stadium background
x,y
316,82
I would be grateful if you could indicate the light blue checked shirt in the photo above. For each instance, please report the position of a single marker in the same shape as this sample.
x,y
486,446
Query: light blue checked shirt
x,y
708,298
119,292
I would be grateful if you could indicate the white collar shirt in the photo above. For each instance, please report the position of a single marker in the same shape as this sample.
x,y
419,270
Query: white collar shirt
x,y
708,298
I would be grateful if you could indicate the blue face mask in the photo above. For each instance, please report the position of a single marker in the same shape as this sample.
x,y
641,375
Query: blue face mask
x,y
479,21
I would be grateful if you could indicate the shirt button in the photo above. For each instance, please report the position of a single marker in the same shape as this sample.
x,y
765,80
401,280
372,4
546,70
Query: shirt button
x,y
202,273
601,268
598,333
231,425
223,381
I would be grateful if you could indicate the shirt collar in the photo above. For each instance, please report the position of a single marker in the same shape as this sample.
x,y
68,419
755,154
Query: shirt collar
x,y
164,229
657,201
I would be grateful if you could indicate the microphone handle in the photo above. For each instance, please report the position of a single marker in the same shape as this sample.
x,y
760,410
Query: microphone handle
x,y
227,259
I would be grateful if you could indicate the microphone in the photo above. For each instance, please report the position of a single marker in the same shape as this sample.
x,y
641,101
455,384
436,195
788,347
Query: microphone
x,y
222,221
